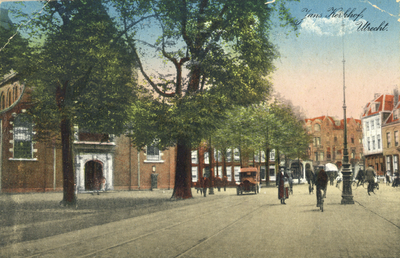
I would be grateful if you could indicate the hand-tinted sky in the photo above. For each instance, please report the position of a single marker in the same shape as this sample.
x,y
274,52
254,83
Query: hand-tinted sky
x,y
310,69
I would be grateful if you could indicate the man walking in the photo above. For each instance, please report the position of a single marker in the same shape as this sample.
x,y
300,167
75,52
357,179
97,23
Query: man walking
x,y
370,175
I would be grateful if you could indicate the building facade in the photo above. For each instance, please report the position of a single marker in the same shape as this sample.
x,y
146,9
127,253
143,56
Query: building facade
x,y
28,164
390,140
328,139
375,114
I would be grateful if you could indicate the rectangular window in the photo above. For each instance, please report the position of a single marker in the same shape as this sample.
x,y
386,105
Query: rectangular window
x,y
388,162
367,125
236,172
372,125
321,156
194,157
395,115
206,158
229,173
194,174
217,155
153,153
373,142
369,143
23,132
379,140
236,155
396,138
395,163
316,156
388,139
378,124
272,155
229,155
353,154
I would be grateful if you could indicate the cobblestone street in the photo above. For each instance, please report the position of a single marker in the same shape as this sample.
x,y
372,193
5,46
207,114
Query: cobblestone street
x,y
149,224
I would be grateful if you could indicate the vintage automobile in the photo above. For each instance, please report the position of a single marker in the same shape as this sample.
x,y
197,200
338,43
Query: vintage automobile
x,y
249,181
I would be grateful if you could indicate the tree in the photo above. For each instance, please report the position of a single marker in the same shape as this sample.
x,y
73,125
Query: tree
x,y
82,76
224,49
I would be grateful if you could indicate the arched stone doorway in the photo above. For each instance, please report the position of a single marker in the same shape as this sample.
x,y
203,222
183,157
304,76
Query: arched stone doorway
x,y
93,174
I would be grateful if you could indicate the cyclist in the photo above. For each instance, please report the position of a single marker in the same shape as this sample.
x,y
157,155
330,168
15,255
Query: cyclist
x,y
360,177
321,182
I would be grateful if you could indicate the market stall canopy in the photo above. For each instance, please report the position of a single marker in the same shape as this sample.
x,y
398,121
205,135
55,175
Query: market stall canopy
x,y
331,167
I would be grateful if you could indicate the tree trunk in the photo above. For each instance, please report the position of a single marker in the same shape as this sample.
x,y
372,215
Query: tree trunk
x,y
182,188
69,197
267,151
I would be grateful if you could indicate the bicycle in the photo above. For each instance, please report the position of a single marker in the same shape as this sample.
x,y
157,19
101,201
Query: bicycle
x,y
357,183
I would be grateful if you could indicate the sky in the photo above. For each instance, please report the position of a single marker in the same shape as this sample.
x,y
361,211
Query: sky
x,y
310,68
310,71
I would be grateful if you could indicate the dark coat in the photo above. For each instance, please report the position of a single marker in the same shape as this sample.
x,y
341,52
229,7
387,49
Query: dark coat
x,y
283,193
321,179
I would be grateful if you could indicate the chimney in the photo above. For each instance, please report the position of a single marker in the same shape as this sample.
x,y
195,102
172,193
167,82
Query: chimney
x,y
396,97
376,95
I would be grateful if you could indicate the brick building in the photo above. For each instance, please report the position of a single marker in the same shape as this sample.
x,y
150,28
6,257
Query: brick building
x,y
327,145
229,164
30,165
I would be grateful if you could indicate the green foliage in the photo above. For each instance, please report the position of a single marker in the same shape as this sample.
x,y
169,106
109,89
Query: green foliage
x,y
86,58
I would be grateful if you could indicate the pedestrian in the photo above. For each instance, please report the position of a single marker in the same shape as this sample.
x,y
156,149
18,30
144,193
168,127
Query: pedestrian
x,y
96,185
370,175
396,179
282,183
224,182
321,182
310,180
387,175
290,174
205,185
103,184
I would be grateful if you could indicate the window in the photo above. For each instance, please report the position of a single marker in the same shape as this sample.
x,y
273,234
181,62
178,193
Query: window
x,y
388,139
23,137
395,115
194,174
372,125
9,98
373,142
396,138
317,127
388,162
395,163
335,139
228,155
328,153
236,155
378,124
369,146
367,126
206,158
321,156
376,107
352,139
316,156
217,155
272,155
317,141
378,137
194,157
153,152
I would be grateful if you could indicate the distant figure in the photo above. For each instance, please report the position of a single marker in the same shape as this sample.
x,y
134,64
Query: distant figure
x,y
282,182
225,182
360,177
96,185
396,179
370,175
218,182
310,180
103,184
205,185
387,176
321,182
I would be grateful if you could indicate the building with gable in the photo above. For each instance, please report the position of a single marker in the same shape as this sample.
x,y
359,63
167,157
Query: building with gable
x,y
390,137
374,116
328,138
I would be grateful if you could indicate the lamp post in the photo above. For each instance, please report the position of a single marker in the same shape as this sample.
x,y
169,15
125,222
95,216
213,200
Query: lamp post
x,y
347,195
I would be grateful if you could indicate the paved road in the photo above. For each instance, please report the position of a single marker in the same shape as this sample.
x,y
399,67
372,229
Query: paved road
x,y
227,225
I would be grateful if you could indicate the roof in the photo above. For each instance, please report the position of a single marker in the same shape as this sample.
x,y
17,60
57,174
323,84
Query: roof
x,y
338,124
392,118
386,104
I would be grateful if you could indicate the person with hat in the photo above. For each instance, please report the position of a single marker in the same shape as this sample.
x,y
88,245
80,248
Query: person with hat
x,y
370,175
282,183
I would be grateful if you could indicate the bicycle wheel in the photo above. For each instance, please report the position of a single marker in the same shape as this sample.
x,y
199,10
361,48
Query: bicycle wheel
x,y
354,185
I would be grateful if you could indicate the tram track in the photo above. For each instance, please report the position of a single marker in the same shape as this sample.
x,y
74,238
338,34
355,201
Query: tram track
x,y
214,207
